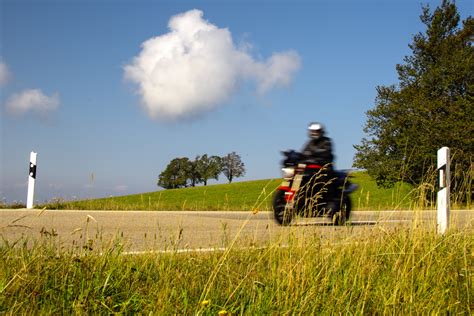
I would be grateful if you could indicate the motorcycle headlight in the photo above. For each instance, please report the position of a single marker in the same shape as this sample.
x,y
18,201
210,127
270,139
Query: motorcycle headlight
x,y
287,172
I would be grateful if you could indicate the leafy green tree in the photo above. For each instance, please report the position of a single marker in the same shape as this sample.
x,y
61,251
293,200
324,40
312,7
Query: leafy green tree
x,y
208,168
176,174
194,174
431,107
232,166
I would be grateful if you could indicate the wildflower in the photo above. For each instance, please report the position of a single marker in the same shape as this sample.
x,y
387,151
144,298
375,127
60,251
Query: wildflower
x,y
205,303
223,313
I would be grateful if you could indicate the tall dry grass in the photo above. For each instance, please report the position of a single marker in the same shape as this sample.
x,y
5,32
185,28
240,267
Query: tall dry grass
x,y
383,271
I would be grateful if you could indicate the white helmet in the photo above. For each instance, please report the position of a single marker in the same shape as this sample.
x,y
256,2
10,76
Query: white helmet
x,y
315,130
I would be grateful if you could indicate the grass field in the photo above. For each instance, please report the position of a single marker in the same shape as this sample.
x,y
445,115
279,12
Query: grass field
x,y
403,272
241,196
409,270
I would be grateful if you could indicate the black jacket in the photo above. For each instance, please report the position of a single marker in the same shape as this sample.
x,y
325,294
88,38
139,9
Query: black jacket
x,y
318,151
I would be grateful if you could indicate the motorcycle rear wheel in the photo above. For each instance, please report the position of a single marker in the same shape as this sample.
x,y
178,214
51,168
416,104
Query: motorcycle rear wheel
x,y
282,212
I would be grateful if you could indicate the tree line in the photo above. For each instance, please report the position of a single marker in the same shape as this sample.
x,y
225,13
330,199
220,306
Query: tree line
x,y
184,172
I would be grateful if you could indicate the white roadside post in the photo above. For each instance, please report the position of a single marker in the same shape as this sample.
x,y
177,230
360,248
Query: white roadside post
x,y
444,188
31,181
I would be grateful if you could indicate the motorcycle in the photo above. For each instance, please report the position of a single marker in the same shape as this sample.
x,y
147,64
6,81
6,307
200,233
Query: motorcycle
x,y
312,190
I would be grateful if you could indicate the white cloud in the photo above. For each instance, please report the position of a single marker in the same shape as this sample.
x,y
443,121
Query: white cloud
x,y
4,74
277,71
195,67
32,100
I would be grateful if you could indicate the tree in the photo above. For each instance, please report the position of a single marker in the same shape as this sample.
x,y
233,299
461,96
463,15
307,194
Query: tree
x,y
194,173
176,174
232,166
431,107
208,168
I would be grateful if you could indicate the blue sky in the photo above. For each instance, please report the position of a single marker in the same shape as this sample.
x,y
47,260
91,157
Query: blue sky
x,y
66,92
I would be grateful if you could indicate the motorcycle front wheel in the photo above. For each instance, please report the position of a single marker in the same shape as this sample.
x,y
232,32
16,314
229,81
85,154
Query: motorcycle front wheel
x,y
281,210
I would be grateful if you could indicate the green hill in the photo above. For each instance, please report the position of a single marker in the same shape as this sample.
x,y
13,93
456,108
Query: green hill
x,y
240,196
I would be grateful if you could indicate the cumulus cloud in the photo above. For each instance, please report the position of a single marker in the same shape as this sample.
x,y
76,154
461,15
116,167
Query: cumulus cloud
x,y
4,74
32,100
195,67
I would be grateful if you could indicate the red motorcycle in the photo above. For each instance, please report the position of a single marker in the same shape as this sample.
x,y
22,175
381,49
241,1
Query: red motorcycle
x,y
312,190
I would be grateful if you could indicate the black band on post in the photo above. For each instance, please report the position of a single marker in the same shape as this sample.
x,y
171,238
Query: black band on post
x,y
32,170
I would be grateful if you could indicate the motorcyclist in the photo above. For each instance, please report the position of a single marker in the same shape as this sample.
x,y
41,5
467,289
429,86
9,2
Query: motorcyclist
x,y
318,150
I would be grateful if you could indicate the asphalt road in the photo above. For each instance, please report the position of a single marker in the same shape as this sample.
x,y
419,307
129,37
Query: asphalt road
x,y
141,231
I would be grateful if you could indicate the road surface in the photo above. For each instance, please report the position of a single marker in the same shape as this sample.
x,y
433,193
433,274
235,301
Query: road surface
x,y
141,231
